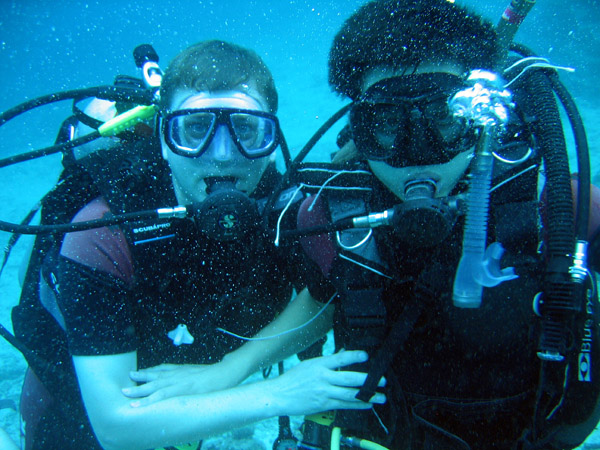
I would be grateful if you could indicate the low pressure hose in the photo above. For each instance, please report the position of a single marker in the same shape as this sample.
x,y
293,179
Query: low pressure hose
x,y
486,105
161,214
113,93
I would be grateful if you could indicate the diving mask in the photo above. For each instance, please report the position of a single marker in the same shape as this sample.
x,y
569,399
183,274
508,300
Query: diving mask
x,y
189,132
405,121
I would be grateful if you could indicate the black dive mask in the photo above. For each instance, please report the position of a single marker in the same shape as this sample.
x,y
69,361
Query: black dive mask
x,y
227,213
406,121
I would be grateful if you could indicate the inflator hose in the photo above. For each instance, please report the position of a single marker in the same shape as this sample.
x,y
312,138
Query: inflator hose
x,y
79,226
559,225
583,159
581,147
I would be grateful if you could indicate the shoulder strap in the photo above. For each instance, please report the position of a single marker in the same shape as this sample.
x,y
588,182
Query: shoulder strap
x,y
132,176
427,289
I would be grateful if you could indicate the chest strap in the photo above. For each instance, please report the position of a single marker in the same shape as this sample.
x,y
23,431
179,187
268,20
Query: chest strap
x,y
427,289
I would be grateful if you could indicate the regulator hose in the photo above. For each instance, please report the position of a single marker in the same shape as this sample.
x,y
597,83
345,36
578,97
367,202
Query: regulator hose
x,y
112,93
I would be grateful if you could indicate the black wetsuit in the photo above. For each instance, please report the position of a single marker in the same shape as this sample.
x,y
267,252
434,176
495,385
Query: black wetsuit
x,y
115,297
457,378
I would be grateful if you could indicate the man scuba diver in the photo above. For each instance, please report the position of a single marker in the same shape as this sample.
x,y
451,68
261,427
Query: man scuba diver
x,y
170,294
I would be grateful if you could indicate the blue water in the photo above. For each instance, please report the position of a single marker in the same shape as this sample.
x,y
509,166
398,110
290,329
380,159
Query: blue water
x,y
48,46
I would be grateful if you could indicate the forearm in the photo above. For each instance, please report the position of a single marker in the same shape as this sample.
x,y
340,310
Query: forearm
x,y
190,418
312,386
178,419
261,353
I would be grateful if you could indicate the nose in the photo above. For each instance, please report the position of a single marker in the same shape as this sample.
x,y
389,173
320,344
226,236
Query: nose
x,y
222,148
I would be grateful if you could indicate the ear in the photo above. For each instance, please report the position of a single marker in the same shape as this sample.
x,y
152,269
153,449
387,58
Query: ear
x,y
163,145
165,149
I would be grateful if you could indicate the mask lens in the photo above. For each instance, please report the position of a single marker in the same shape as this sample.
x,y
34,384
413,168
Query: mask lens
x,y
256,134
438,114
388,123
190,133
374,129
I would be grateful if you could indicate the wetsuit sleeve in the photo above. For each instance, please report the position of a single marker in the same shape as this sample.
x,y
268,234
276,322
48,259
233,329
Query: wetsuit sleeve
x,y
92,278
319,250
96,307
104,249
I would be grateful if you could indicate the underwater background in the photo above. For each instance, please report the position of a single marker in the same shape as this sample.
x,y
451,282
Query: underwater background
x,y
50,46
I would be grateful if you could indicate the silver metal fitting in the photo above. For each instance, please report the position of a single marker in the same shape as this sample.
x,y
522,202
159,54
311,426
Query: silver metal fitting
x,y
374,220
579,270
179,212
486,102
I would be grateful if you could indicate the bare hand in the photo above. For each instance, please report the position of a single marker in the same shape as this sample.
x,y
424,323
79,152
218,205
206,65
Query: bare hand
x,y
316,385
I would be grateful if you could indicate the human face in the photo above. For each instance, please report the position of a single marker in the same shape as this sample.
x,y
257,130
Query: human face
x,y
222,158
442,177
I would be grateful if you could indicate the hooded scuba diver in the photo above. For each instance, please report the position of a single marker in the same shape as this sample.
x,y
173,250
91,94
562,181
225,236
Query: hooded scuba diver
x,y
102,303
481,348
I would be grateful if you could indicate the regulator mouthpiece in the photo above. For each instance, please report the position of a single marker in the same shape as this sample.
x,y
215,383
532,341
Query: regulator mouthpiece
x,y
420,189
227,213
423,220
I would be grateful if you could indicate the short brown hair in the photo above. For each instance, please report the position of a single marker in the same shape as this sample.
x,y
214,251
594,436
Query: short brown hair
x,y
216,66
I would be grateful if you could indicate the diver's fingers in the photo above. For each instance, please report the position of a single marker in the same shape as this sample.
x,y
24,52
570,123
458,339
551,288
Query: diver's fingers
x,y
142,390
144,376
155,397
341,404
150,399
378,398
348,395
351,379
162,368
344,358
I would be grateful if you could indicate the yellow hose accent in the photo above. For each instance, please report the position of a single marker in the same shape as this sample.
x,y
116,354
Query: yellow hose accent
x,y
324,418
127,120
368,445
336,436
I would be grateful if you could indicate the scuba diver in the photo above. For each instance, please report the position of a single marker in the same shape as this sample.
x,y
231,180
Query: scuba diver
x,y
119,280
469,290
